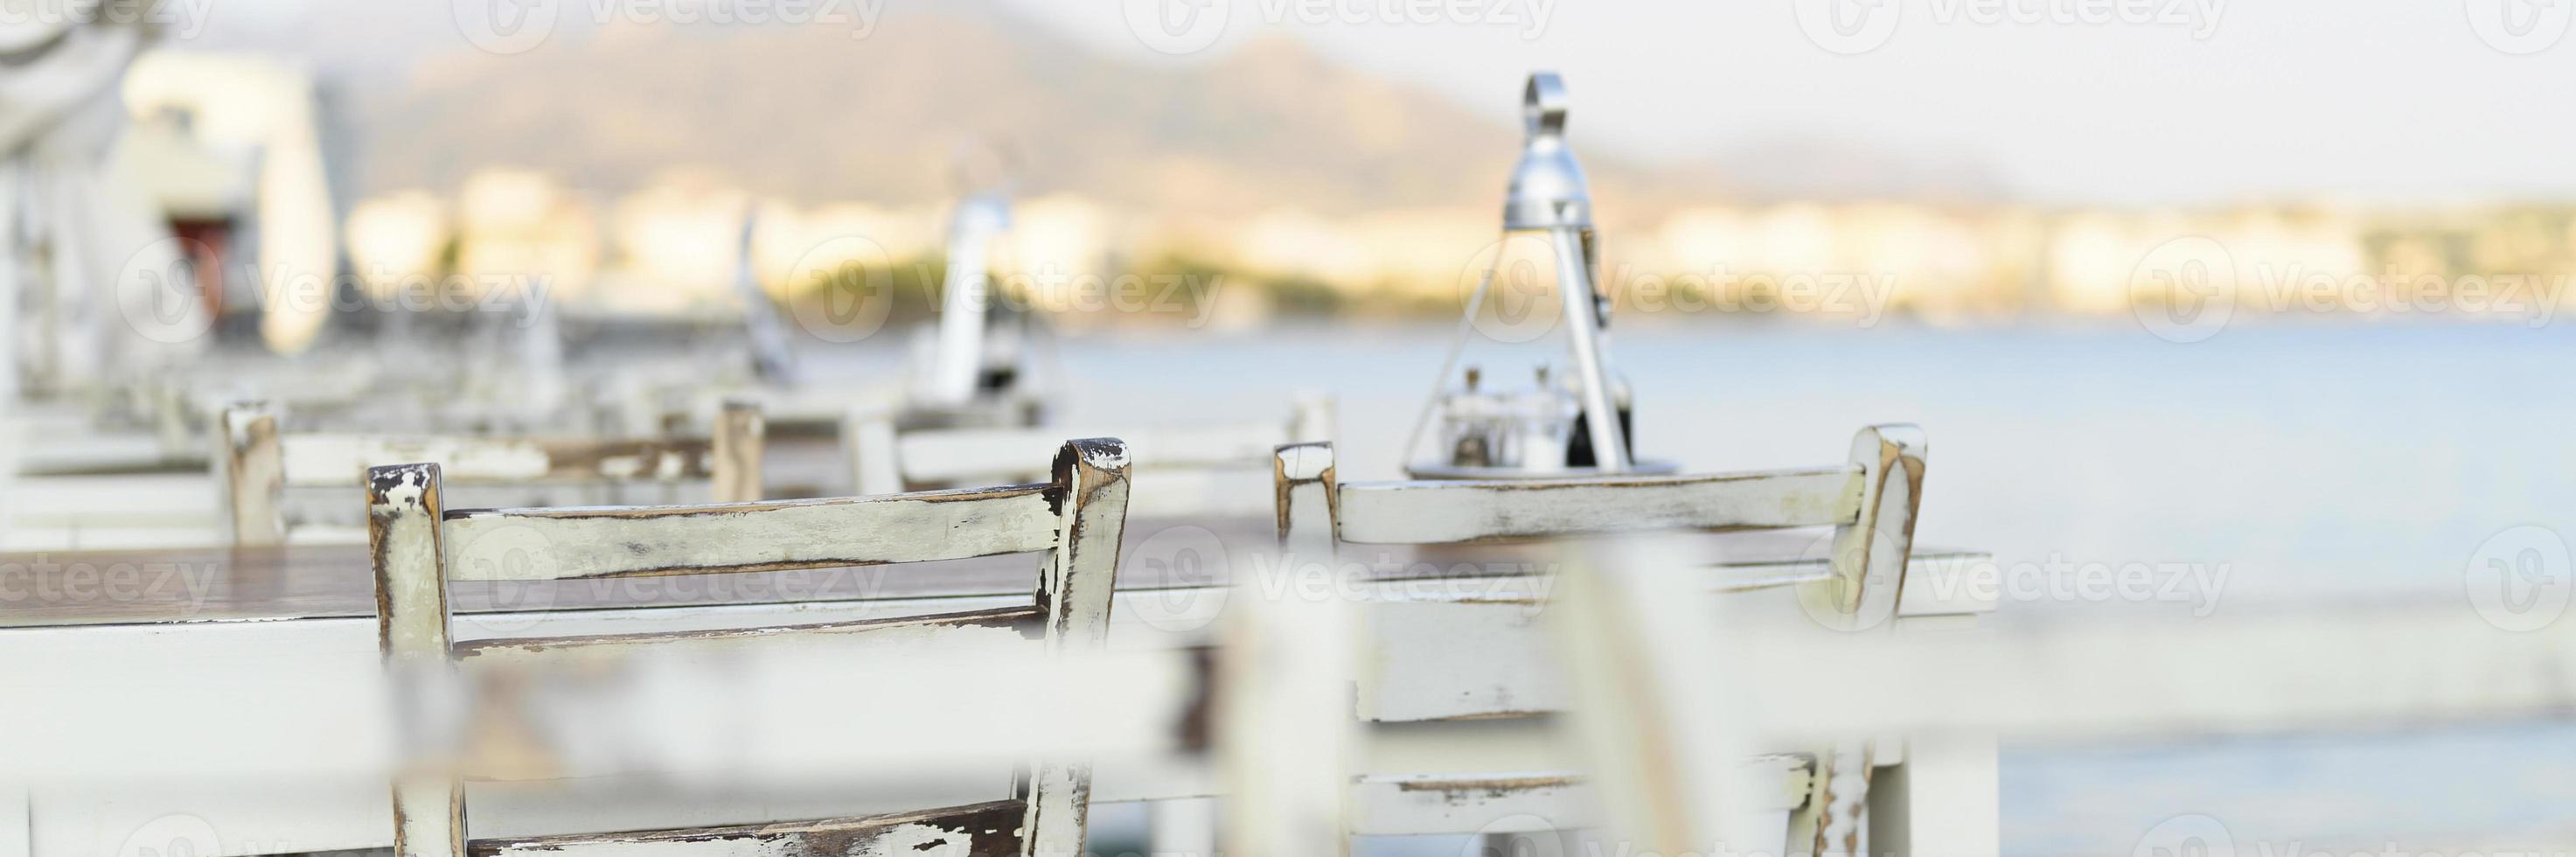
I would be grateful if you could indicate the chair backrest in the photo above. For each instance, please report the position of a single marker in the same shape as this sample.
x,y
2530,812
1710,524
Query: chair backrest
x,y
1076,519
1183,463
1870,501
258,462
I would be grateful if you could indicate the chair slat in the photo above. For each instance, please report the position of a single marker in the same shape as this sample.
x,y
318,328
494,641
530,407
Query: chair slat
x,y
979,830
1415,804
565,543
951,454
945,629
1414,512
331,459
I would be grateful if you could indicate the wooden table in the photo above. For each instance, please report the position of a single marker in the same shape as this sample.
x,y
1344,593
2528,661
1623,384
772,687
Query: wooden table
x,y
133,647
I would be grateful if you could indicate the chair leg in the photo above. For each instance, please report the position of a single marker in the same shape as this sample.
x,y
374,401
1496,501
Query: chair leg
x,y
1835,819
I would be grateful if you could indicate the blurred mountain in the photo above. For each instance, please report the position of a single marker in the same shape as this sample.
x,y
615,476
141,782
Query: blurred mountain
x,y
816,113
1824,168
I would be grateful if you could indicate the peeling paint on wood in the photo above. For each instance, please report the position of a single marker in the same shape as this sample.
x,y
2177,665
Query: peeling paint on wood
x,y
412,633
262,461
560,544
1422,512
251,473
1871,501
1078,519
737,452
1021,622
1286,737
981,830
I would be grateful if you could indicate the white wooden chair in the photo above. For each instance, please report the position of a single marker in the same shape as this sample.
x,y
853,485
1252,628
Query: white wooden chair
x,y
258,462
420,547
1186,469
1295,683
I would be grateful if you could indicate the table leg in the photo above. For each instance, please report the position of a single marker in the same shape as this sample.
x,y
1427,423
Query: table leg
x,y
1942,801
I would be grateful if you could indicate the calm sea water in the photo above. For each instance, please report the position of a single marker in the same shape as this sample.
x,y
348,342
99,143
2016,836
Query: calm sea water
x,y
2292,463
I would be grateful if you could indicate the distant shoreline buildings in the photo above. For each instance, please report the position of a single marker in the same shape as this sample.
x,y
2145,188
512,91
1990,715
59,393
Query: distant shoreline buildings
x,y
672,247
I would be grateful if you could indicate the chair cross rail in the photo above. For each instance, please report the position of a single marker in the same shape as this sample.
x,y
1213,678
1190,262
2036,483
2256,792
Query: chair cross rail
x,y
418,546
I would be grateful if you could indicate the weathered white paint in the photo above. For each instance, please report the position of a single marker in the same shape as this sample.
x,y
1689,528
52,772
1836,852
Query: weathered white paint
x,y
1284,730
525,655
1535,801
971,831
868,438
250,470
261,767
1186,464
947,455
552,544
1870,550
327,460
1863,593
411,601
736,450
1084,510
261,462
1423,512
1871,502
1643,716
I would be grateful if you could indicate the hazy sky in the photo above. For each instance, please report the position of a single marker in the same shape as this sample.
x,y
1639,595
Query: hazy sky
x,y
2129,102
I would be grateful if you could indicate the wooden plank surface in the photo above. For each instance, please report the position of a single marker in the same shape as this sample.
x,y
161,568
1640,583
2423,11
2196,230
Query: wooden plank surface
x,y
212,584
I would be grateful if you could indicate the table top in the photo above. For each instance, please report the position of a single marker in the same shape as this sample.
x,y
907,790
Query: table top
x,y
215,584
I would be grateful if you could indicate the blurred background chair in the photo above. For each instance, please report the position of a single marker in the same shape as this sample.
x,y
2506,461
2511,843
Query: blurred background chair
x,y
260,462
1215,469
